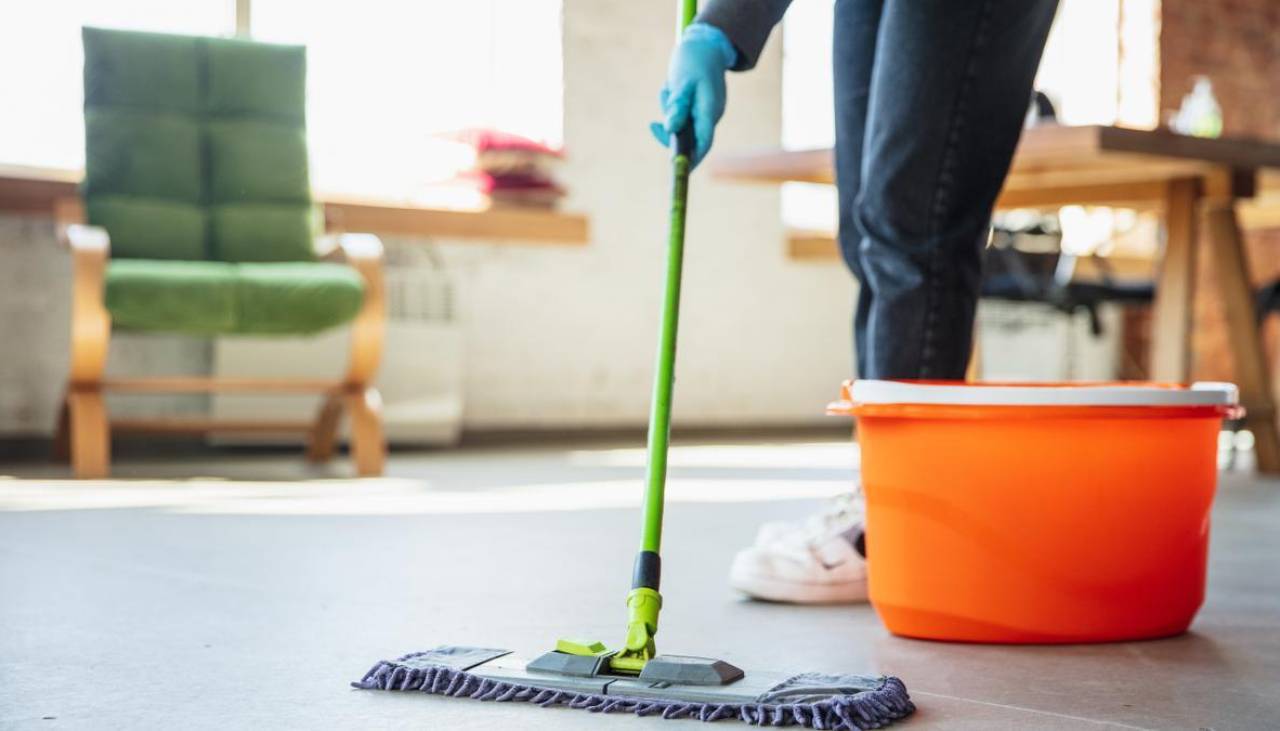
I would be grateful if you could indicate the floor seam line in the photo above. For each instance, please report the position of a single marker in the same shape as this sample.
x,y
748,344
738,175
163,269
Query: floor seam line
x,y
1037,711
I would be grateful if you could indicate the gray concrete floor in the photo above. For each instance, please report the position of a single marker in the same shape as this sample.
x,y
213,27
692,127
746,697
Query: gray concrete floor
x,y
217,602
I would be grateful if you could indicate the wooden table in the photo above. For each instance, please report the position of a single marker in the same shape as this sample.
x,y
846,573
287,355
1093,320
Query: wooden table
x,y
1195,183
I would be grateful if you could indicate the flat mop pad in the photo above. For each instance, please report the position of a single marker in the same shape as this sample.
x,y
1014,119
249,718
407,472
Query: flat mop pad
x,y
809,700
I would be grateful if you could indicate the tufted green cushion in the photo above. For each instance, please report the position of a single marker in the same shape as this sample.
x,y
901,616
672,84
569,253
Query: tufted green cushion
x,y
257,161
259,186
193,297
264,231
257,80
128,152
144,148
150,228
221,298
149,71
296,298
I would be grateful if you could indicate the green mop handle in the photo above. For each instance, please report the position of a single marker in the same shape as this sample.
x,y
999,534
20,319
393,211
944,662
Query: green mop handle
x,y
644,600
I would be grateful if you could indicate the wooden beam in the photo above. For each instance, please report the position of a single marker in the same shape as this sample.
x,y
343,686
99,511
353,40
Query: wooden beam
x,y
30,190
1061,165
200,425
200,384
1175,287
1259,214
1234,152
1137,194
1093,269
777,166
812,246
525,226
817,246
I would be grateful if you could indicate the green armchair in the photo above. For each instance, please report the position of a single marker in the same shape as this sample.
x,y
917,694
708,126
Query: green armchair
x,y
200,221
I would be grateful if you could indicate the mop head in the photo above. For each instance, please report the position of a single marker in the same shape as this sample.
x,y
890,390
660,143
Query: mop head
x,y
809,700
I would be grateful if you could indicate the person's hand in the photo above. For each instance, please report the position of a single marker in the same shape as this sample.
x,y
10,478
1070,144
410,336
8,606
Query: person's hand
x,y
694,92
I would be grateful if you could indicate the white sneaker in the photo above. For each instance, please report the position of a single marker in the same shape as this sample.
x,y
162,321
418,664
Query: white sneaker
x,y
839,515
816,561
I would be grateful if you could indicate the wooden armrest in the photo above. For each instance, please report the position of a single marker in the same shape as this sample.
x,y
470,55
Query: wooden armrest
x,y
350,248
364,253
86,242
361,247
90,248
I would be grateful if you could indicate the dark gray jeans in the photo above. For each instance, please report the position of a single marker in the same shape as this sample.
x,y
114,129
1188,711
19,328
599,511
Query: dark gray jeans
x,y
929,98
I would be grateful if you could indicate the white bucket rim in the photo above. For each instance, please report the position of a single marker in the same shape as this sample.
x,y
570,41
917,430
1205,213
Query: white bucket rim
x,y
1203,393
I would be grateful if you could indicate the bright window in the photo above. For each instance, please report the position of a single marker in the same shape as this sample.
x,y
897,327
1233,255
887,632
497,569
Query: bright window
x,y
42,66
387,77
808,112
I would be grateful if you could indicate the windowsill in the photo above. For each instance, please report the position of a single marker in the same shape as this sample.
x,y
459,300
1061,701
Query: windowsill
x,y
35,191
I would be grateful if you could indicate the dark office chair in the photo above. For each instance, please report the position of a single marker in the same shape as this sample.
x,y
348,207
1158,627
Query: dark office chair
x,y
1013,275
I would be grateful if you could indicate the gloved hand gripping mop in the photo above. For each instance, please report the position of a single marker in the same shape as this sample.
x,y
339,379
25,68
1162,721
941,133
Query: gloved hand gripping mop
x,y
635,678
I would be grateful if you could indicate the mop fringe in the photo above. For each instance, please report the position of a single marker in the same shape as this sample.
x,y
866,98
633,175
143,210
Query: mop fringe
x,y
866,709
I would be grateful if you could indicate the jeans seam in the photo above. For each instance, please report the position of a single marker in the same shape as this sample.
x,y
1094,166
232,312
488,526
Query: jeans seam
x,y
941,193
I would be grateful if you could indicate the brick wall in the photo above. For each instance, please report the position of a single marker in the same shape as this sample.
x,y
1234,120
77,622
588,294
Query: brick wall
x,y
1236,43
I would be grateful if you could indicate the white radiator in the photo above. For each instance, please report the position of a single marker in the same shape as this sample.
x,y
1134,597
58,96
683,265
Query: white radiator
x,y
422,363
1025,341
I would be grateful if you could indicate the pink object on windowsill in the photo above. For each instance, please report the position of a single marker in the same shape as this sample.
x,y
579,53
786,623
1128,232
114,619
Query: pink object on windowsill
x,y
492,140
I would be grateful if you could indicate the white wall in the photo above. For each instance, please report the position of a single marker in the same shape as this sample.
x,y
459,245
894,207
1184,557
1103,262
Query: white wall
x,y
565,336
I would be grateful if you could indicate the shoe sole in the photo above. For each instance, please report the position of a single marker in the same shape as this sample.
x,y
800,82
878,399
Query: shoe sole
x,y
791,592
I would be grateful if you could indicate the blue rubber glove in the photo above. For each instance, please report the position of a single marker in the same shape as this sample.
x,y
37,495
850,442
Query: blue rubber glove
x,y
694,92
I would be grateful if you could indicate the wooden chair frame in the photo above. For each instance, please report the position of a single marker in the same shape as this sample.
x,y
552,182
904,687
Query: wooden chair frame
x,y
84,427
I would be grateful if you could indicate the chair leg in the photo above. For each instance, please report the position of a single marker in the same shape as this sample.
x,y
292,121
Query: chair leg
x,y
62,433
90,433
324,435
368,445
973,373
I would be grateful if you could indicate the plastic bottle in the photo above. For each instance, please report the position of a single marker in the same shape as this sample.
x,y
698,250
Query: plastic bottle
x,y
1200,114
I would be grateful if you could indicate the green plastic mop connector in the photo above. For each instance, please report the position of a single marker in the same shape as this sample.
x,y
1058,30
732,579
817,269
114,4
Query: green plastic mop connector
x,y
588,648
643,605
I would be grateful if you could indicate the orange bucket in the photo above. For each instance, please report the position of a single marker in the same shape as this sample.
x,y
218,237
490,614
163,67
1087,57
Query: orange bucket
x,y
1037,513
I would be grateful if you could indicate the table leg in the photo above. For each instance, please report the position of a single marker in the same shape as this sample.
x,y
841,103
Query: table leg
x,y
973,373
1231,264
1175,287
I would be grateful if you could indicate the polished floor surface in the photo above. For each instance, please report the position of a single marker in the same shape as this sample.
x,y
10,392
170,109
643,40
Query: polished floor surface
x,y
239,590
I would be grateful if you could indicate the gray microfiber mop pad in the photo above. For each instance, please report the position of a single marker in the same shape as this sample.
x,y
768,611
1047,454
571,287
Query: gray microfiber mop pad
x,y
810,700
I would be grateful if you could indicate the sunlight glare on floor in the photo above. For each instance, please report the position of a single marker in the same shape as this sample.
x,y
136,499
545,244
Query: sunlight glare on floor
x,y
828,455
387,496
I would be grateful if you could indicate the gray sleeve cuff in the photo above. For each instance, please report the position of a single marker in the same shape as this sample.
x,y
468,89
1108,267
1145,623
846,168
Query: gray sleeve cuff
x,y
747,23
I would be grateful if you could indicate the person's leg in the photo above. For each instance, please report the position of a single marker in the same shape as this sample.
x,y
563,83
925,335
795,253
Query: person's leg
x,y
856,23
819,560
917,175
949,90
